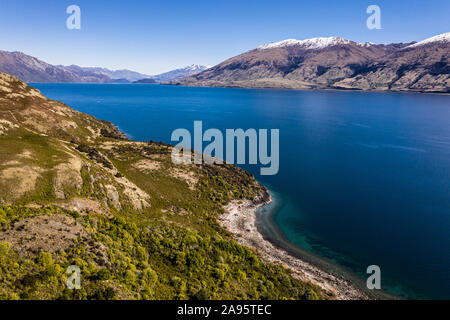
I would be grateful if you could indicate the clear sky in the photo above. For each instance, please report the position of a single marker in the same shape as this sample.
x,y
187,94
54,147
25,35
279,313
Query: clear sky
x,y
156,36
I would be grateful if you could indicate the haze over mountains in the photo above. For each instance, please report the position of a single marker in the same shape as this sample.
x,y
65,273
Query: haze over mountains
x,y
336,63
31,69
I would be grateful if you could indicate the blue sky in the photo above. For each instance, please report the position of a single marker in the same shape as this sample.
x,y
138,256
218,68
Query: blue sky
x,y
156,36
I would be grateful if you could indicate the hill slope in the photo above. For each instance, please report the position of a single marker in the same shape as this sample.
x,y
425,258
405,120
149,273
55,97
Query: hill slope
x,y
30,69
75,191
336,63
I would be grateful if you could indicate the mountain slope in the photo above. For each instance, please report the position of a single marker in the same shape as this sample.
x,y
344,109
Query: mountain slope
x,y
440,38
75,191
322,63
30,69
423,67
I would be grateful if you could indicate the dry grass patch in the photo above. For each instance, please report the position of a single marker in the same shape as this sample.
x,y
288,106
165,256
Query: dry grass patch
x,y
138,198
109,145
20,180
49,233
68,174
6,125
84,206
26,154
147,166
187,176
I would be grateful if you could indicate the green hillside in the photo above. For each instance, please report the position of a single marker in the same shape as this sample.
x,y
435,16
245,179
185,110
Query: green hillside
x,y
75,191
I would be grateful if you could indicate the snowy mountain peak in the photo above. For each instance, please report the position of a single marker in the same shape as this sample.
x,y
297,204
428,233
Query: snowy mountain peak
x,y
195,67
313,43
367,44
444,37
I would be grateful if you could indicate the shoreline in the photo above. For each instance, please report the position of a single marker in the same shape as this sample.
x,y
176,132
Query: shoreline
x,y
445,93
255,229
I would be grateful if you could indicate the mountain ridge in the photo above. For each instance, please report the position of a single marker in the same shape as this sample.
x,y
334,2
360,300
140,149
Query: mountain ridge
x,y
126,74
311,43
180,73
335,63
33,70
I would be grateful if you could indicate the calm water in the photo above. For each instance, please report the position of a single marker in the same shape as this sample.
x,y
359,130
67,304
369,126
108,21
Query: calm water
x,y
364,177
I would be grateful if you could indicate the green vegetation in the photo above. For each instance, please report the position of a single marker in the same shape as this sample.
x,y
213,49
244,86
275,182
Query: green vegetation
x,y
159,261
73,191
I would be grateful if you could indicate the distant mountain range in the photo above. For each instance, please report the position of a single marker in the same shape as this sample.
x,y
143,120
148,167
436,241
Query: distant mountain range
x,y
336,63
179,74
174,75
123,74
31,69
317,63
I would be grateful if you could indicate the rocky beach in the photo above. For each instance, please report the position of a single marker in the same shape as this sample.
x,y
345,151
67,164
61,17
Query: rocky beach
x,y
242,218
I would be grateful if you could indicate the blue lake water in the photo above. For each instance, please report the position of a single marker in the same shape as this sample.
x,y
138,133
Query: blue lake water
x,y
364,177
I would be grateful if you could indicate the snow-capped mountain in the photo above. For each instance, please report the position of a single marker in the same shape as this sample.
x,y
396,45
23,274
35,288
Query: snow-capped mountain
x,y
31,69
181,73
336,63
195,68
444,37
313,43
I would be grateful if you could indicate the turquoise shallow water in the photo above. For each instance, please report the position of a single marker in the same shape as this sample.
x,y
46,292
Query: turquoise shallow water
x,y
364,177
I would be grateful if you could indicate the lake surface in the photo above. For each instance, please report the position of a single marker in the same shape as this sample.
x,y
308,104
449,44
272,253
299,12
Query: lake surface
x,y
364,177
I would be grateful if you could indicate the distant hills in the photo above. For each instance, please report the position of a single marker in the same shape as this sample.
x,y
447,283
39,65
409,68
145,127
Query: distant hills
x,y
146,80
336,63
123,74
181,73
31,69
174,75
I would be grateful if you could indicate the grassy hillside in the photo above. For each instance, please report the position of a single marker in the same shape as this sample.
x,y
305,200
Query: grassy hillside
x,y
74,191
